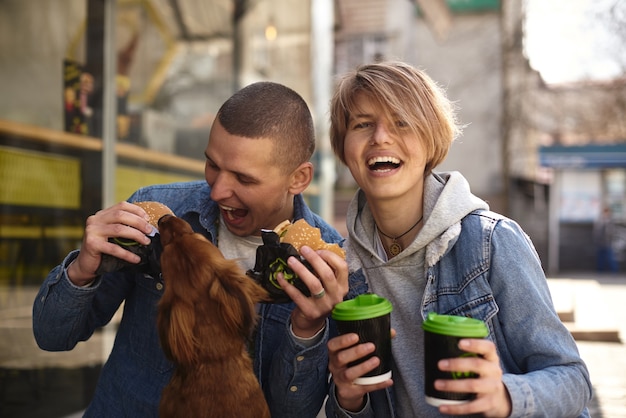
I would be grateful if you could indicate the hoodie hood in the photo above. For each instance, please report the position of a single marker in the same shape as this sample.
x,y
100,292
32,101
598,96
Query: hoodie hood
x,y
447,200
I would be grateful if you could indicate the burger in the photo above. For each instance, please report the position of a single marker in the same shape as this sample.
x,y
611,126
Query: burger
x,y
300,233
149,253
155,210
279,244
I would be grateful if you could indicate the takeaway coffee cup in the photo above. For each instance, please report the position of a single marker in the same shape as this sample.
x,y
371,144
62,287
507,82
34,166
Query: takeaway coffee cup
x,y
369,316
442,334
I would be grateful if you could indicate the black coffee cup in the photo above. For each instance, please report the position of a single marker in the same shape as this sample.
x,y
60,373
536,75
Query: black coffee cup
x,y
442,334
369,316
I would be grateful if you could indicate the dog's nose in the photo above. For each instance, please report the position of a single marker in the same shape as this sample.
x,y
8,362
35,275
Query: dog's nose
x,y
163,218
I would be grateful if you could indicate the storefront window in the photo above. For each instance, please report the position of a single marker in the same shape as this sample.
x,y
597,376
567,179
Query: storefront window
x,y
51,165
175,64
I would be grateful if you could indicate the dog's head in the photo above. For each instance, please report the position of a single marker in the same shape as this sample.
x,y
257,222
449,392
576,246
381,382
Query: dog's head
x,y
204,294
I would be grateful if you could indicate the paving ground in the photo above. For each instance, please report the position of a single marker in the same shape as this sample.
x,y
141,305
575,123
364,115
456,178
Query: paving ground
x,y
35,383
599,309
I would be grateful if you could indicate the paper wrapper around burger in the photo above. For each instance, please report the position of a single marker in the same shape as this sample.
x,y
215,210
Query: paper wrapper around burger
x,y
271,259
150,254
280,244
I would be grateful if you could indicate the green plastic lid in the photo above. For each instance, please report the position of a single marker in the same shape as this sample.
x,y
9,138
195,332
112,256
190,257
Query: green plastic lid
x,y
456,326
368,305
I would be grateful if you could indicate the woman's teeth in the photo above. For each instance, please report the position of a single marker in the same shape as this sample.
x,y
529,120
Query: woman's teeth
x,y
383,163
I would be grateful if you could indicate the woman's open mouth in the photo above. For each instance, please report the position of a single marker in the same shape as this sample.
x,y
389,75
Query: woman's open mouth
x,y
383,164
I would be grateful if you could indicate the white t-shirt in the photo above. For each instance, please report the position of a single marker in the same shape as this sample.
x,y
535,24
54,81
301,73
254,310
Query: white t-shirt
x,y
242,249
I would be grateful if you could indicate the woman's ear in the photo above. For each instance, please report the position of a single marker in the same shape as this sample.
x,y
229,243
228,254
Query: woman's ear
x,y
301,177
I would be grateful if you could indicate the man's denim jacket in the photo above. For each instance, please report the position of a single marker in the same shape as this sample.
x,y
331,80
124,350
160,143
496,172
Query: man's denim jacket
x,y
492,272
294,378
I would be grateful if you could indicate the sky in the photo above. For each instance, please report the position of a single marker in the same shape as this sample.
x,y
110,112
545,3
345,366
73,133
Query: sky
x,y
566,40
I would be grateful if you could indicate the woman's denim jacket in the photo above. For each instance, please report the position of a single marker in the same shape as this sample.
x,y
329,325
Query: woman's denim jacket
x,y
492,272
294,378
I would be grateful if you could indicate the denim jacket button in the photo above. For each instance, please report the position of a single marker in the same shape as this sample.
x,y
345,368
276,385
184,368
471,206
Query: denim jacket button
x,y
159,286
300,358
293,388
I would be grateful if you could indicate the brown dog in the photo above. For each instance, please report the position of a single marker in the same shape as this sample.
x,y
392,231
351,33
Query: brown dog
x,y
205,318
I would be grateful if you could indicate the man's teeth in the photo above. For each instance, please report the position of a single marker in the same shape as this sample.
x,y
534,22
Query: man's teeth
x,y
228,211
233,213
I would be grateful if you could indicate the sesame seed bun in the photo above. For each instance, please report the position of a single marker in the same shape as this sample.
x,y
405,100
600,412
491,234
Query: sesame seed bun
x,y
301,233
155,211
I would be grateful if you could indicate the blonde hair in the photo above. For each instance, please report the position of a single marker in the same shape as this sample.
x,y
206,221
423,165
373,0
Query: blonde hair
x,y
400,91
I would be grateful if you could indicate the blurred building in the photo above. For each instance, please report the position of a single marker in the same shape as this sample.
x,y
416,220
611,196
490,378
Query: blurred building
x,y
564,157
459,45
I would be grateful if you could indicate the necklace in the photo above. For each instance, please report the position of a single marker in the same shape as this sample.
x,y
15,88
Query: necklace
x,y
395,248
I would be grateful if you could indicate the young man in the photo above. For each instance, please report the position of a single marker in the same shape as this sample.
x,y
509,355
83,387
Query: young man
x,y
257,166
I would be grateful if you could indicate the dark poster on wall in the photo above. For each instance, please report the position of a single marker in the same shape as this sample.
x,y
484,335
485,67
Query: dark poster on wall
x,y
77,88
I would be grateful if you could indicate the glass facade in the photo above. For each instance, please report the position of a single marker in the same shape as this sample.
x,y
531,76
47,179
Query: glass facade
x,y
52,118
99,98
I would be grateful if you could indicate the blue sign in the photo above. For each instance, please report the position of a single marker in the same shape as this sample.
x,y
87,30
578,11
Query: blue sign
x,y
585,156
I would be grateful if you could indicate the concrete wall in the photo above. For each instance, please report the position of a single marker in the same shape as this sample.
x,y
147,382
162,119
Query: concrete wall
x,y
468,65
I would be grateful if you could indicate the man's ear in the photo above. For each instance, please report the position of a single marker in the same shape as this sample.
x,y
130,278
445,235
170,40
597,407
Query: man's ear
x,y
301,177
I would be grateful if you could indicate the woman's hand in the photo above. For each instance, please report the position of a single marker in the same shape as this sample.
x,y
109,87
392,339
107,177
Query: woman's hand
x,y
492,397
343,350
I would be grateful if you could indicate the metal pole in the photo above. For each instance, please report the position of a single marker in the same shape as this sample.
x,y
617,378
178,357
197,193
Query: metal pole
x,y
109,133
239,12
109,125
322,47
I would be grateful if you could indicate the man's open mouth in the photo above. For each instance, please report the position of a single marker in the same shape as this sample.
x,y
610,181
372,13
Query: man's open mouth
x,y
233,213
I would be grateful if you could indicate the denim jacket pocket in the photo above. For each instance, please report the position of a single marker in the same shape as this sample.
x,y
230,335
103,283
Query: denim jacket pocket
x,y
483,308
472,298
144,336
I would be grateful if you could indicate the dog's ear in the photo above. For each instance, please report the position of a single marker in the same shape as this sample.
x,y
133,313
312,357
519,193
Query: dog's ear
x,y
237,294
252,293
176,324
236,312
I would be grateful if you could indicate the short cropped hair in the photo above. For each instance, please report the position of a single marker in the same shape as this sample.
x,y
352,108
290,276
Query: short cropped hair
x,y
274,111
402,92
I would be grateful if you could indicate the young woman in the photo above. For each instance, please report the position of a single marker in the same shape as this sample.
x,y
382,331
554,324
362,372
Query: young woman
x,y
423,241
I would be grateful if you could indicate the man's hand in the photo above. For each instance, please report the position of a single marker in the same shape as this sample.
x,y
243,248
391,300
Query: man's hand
x,y
327,289
123,220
